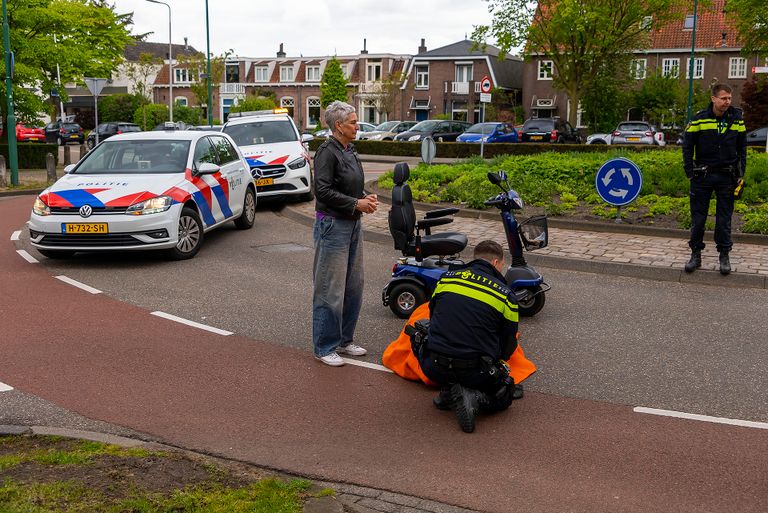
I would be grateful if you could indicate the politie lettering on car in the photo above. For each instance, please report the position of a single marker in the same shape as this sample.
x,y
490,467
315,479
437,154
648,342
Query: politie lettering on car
x,y
145,190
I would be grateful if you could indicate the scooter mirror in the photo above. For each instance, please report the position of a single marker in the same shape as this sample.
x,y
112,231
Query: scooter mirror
x,y
494,178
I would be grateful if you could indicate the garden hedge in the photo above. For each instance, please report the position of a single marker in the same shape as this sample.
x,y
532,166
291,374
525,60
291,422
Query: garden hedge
x,y
30,155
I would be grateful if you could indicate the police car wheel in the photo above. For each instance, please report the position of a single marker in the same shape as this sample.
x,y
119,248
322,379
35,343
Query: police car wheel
x,y
532,306
190,235
49,253
246,219
404,299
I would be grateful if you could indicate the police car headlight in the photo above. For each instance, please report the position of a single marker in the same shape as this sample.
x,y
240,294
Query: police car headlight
x,y
150,206
40,208
297,163
414,138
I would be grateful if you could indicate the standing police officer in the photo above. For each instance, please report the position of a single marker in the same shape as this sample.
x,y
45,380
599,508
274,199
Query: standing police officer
x,y
472,329
714,158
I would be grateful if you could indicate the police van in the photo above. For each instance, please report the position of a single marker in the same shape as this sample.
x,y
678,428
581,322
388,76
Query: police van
x,y
275,150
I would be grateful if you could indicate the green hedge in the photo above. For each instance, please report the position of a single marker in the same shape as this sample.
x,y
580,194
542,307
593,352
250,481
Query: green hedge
x,y
466,150
31,155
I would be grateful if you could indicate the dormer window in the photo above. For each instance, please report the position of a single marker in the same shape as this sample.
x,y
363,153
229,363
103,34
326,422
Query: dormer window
x,y
688,23
646,23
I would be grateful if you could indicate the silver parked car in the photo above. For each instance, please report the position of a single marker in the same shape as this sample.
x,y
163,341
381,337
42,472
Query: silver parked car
x,y
630,132
387,131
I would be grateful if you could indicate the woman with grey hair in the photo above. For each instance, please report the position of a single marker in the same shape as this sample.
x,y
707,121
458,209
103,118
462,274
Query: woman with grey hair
x,y
338,236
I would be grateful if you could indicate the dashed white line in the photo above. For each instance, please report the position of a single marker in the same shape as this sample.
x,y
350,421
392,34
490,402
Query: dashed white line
x,y
702,418
374,366
79,285
192,323
15,235
26,256
5,388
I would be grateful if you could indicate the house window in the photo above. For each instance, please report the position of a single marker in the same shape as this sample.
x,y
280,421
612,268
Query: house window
x,y
233,73
286,73
737,67
688,23
373,71
260,74
646,23
181,100
313,73
369,112
698,67
345,70
181,75
670,68
313,111
459,111
422,77
287,103
545,70
638,68
463,72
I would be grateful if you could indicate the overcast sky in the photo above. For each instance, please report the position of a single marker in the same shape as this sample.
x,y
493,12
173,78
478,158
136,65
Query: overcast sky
x,y
309,27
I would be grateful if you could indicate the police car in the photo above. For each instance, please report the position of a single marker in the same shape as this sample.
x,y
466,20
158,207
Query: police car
x,y
145,190
275,151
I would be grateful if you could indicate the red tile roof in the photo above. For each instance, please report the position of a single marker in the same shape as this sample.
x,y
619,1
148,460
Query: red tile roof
x,y
711,24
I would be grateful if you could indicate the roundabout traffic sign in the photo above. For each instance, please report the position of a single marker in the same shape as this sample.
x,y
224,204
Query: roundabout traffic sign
x,y
618,181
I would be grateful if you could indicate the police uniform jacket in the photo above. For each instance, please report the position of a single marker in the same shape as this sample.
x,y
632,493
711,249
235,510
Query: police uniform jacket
x,y
339,180
716,142
473,314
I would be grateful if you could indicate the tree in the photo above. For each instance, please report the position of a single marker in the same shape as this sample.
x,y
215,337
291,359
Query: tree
x,y
141,73
664,100
197,66
754,101
90,38
386,94
579,37
149,116
333,85
254,102
751,20
119,107
606,101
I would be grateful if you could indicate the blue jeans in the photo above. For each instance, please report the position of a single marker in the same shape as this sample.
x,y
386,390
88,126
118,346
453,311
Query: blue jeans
x,y
338,279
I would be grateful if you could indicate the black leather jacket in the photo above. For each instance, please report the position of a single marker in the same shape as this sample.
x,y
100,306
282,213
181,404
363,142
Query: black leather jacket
x,y
714,146
339,180
472,314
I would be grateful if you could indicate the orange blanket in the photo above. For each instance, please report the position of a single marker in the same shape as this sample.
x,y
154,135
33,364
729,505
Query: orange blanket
x,y
400,359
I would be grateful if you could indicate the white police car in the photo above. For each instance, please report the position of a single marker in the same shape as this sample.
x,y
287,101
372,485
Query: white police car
x,y
145,190
275,150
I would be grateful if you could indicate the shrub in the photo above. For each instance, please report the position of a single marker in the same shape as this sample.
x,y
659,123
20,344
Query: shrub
x,y
30,155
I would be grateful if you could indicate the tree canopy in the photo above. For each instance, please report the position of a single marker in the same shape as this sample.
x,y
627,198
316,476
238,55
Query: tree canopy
x,y
751,19
580,38
333,85
85,38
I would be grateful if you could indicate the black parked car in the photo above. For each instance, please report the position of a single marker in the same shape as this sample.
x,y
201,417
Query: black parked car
x,y
63,132
546,130
107,130
757,137
439,130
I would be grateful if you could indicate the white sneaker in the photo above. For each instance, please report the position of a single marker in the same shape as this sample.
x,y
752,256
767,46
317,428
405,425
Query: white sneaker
x,y
333,359
352,349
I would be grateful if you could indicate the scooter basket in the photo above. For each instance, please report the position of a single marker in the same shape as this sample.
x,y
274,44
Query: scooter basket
x,y
534,233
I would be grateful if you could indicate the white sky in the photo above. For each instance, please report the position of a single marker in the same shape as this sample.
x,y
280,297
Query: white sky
x,y
309,27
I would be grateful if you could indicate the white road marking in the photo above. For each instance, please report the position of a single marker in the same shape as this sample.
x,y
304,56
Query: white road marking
x,y
79,285
15,235
5,388
26,256
359,363
192,323
703,418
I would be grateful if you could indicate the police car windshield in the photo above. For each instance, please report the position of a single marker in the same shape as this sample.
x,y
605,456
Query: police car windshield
x,y
262,132
135,157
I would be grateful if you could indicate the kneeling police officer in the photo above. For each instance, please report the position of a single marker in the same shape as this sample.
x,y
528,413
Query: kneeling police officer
x,y
472,331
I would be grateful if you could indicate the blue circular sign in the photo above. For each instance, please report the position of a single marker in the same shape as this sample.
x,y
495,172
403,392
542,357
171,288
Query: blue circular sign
x,y
619,181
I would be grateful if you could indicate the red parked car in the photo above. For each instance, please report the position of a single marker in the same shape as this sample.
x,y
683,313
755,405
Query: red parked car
x,y
26,134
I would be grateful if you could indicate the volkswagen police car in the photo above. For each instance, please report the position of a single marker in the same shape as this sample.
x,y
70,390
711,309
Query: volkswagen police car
x,y
145,190
275,151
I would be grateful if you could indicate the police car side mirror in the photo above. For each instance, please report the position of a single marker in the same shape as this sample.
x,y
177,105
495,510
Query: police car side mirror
x,y
307,138
207,168
68,169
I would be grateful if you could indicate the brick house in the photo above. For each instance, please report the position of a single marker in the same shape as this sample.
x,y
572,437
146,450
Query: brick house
x,y
717,58
446,80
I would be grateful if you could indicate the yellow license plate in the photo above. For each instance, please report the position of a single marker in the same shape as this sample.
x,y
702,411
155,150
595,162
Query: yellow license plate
x,y
264,181
84,228
536,138
633,138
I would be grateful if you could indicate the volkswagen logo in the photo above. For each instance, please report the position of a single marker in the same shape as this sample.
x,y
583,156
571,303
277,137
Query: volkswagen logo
x,y
85,211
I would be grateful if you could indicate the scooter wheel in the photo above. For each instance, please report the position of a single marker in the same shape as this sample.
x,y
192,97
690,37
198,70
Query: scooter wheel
x,y
532,306
404,299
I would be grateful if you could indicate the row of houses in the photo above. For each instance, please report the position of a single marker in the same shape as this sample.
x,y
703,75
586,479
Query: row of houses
x,y
443,81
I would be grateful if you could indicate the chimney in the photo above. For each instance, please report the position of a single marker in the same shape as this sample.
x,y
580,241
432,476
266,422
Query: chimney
x,y
422,48
186,45
280,52
364,51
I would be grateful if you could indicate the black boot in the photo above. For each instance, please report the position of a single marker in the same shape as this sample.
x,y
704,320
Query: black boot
x,y
466,405
695,261
725,263
443,400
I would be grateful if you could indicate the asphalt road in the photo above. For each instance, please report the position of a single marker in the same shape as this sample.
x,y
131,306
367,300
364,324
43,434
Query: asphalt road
x,y
602,343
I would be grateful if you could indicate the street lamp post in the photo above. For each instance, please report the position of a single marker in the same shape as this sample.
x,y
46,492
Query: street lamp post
x,y
208,71
13,159
690,66
170,58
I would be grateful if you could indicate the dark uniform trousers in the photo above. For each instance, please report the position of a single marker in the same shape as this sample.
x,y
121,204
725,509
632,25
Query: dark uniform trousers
x,y
721,183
